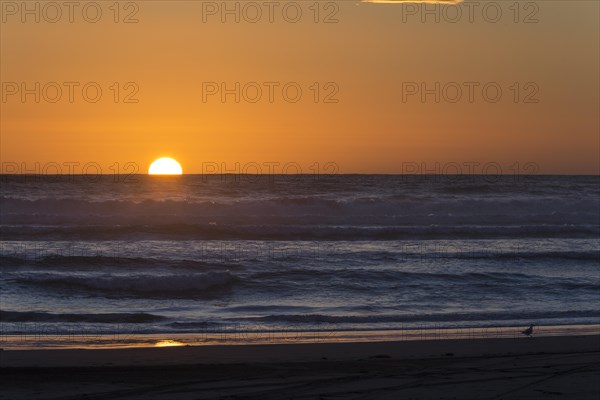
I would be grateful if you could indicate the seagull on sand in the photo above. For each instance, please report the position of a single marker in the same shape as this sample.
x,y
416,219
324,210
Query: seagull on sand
x,y
528,332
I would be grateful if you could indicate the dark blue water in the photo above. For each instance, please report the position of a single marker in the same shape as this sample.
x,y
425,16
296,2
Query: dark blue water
x,y
183,254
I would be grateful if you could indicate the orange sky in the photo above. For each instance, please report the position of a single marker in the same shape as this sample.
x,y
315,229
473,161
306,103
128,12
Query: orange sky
x,y
370,55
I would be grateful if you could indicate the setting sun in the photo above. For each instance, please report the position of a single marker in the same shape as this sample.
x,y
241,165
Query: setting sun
x,y
165,166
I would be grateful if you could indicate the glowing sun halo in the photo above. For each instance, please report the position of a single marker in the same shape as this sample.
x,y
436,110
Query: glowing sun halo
x,y
165,166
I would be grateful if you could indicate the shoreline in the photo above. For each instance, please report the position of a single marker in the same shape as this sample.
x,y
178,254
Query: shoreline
x,y
295,352
121,338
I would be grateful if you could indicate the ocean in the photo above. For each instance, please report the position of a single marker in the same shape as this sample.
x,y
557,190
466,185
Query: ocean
x,y
192,254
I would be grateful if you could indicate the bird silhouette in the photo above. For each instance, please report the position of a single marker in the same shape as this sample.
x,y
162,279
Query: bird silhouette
x,y
528,332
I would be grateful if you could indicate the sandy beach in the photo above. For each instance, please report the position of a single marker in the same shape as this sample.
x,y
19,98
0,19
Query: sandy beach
x,y
541,367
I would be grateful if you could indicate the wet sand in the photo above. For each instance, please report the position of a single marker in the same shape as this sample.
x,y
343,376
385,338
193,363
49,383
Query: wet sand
x,y
538,368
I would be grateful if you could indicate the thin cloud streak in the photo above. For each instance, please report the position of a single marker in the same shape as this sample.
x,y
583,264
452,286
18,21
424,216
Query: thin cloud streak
x,y
413,1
